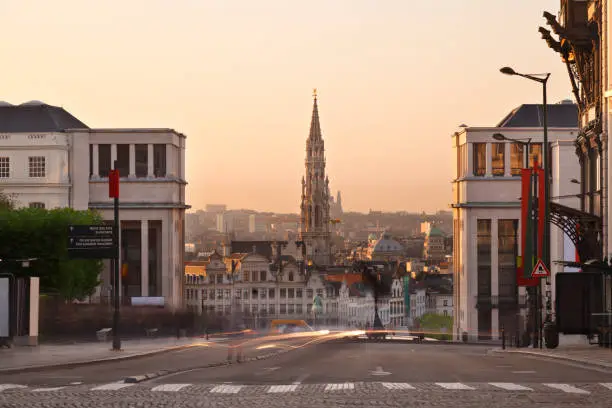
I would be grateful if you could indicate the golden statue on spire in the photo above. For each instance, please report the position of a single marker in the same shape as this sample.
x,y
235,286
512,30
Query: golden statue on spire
x,y
314,93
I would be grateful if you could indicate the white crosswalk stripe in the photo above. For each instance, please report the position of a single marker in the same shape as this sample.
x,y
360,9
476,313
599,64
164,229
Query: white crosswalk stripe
x,y
454,386
227,389
112,386
511,387
47,389
570,389
11,386
283,388
170,387
398,386
607,385
338,387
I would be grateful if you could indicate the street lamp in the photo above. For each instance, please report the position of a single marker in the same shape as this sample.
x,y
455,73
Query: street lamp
x,y
542,79
527,145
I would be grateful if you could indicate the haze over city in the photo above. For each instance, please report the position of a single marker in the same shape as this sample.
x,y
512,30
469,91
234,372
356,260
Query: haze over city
x,y
394,78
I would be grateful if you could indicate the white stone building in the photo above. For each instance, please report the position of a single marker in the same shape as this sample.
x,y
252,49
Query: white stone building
x,y
486,211
50,159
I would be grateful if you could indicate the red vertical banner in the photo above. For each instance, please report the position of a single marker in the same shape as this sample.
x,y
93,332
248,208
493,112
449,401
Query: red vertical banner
x,y
525,216
113,184
525,261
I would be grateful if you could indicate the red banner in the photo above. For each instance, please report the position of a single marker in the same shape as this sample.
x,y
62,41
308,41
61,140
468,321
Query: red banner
x,y
113,184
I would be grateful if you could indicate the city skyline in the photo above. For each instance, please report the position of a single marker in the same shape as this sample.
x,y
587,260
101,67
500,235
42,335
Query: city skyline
x,y
389,95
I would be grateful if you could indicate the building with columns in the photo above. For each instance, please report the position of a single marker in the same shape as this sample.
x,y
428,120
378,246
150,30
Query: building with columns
x,y
315,205
486,213
50,159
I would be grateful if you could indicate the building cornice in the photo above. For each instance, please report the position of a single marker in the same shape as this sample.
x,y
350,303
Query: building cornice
x,y
137,180
487,204
129,130
138,205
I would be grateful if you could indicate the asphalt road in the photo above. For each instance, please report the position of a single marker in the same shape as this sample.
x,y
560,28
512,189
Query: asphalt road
x,y
330,374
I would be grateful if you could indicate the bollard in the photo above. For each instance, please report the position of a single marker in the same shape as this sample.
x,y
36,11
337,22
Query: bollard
x,y
503,335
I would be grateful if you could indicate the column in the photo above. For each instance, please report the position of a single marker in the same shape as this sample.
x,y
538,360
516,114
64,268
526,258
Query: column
x,y
489,171
144,257
150,161
132,161
170,165
507,161
95,159
113,154
470,159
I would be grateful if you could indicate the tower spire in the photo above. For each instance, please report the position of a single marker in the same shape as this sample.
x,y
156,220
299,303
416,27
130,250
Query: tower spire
x,y
315,126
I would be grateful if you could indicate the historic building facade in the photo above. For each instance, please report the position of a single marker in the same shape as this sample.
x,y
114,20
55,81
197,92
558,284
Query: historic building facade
x,y
315,207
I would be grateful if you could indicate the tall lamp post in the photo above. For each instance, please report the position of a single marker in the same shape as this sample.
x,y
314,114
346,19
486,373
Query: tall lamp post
x,y
541,79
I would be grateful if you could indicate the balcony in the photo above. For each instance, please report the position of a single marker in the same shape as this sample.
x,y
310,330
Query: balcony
x,y
496,301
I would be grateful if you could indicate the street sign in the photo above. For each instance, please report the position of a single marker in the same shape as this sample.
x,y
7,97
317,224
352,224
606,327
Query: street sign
x,y
91,241
540,270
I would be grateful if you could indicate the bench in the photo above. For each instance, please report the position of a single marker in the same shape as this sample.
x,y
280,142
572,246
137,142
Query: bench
x,y
151,332
103,334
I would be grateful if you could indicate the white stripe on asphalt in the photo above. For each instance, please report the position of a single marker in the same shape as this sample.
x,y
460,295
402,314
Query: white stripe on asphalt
x,y
4,387
170,387
338,387
48,389
511,387
282,388
227,389
398,386
570,389
607,385
112,386
454,386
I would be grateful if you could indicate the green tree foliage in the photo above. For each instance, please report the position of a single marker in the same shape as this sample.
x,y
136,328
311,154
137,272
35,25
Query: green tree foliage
x,y
33,233
6,202
435,323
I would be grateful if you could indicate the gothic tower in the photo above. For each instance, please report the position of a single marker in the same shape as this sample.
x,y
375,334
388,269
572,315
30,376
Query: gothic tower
x,y
314,224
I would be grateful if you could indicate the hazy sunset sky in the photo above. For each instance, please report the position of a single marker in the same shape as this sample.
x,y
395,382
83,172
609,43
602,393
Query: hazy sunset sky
x,y
395,78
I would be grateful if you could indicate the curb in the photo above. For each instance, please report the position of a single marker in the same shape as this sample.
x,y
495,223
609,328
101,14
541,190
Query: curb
x,y
582,361
75,364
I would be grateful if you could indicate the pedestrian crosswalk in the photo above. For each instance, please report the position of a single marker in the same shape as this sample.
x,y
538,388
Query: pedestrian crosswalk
x,y
365,387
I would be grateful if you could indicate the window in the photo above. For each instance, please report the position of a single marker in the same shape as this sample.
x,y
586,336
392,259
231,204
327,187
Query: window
x,y
497,158
483,245
254,276
159,160
462,160
104,160
123,159
245,276
290,276
506,255
480,159
445,302
535,154
141,152
36,166
298,293
262,276
271,293
516,158
36,205
283,293
5,167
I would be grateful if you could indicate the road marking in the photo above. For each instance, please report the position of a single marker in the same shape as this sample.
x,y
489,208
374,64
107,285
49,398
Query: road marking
x,y
511,387
282,388
524,372
170,387
112,386
76,383
226,389
301,378
339,387
398,386
48,389
570,389
379,371
4,387
454,386
607,385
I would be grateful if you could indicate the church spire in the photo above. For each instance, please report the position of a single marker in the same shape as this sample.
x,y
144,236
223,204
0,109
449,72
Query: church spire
x,y
315,126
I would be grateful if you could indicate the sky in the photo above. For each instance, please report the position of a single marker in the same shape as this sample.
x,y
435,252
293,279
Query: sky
x,y
395,79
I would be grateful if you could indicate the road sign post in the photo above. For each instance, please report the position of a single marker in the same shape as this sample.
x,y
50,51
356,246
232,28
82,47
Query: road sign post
x,y
113,192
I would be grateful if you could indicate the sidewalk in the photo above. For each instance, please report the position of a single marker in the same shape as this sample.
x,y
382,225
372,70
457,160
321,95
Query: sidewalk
x,y
587,355
23,358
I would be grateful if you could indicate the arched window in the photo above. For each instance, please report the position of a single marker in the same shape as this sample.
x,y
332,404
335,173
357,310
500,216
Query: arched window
x,y
290,276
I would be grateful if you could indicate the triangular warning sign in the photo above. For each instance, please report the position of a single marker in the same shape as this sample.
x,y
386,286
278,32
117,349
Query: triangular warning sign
x,y
540,270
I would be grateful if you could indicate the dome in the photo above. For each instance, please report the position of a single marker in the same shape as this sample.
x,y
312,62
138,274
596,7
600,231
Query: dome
x,y
4,103
387,244
33,103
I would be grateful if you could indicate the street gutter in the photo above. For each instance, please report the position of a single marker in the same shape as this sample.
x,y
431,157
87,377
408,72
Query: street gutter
x,y
549,356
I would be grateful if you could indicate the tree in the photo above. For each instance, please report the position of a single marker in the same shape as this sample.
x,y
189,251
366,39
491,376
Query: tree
x,y
34,233
6,201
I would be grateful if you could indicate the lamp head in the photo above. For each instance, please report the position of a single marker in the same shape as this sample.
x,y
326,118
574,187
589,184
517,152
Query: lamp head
x,y
507,71
499,136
